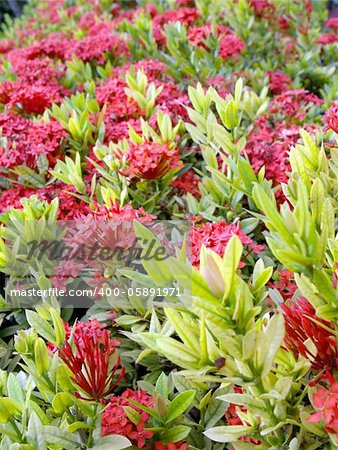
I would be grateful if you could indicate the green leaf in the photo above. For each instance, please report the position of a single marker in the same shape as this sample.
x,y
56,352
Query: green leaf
x,y
262,279
317,199
132,414
58,327
150,411
79,426
8,408
175,434
62,401
240,445
180,404
36,433
112,442
162,385
246,173
182,329
158,270
42,326
41,357
230,116
55,435
243,400
14,389
175,351
30,176
266,204
215,412
270,343
232,257
34,407
227,433
9,431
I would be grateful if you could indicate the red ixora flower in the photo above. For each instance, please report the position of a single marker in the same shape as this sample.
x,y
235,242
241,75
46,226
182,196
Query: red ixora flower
x,y
263,8
278,82
216,235
187,183
117,213
327,39
285,284
80,329
93,47
32,99
332,23
151,161
94,362
230,45
294,104
116,421
331,118
302,325
325,402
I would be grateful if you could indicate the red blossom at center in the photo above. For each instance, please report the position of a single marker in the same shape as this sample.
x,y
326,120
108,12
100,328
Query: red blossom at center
x,y
150,160
94,362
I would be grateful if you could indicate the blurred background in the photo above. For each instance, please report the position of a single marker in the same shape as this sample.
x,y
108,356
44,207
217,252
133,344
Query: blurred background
x,y
14,7
11,7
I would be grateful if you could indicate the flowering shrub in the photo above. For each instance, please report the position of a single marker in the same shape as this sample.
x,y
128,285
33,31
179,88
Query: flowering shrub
x,y
202,136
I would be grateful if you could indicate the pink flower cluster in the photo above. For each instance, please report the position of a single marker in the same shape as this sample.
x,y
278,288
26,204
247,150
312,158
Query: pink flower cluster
x,y
116,421
216,235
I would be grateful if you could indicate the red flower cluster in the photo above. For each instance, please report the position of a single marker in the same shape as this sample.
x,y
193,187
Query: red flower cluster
x,y
26,140
93,47
116,213
187,183
216,235
275,132
302,325
69,206
293,105
285,285
186,16
112,93
80,329
6,45
30,99
94,362
171,101
42,73
332,23
54,46
116,421
279,82
325,402
331,118
123,112
197,35
150,160
230,46
263,8
327,39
